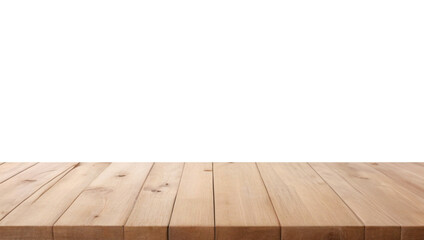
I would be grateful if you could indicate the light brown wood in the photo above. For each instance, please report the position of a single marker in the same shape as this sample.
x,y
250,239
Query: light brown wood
x,y
150,217
193,215
416,168
306,206
378,225
8,170
409,175
401,205
15,190
204,201
243,209
102,209
48,204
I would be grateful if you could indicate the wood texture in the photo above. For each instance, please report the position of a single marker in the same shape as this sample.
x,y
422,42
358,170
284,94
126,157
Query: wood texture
x,y
243,209
416,168
378,225
306,206
8,170
410,175
401,205
205,201
150,217
102,209
23,185
193,215
47,204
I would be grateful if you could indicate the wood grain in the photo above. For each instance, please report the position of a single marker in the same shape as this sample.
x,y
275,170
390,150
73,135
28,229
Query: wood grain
x,y
378,224
47,204
8,170
416,168
306,206
150,217
193,215
205,201
102,209
20,187
409,175
243,209
401,205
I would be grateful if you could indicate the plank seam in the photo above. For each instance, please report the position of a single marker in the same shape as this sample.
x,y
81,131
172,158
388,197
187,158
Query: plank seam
x,y
76,165
18,172
371,202
36,191
135,200
405,169
402,227
393,179
74,199
168,232
213,194
347,205
267,192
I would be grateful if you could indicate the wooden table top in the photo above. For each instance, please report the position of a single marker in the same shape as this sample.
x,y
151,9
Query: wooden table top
x,y
223,201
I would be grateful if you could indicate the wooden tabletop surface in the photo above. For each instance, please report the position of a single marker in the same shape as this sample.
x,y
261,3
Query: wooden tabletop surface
x,y
223,201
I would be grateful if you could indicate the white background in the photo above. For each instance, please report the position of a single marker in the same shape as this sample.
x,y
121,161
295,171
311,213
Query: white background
x,y
221,80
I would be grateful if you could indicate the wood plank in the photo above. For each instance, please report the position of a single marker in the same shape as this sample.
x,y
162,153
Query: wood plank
x,y
387,195
243,209
413,167
150,217
102,209
46,205
8,170
193,214
306,206
378,225
178,201
409,175
20,187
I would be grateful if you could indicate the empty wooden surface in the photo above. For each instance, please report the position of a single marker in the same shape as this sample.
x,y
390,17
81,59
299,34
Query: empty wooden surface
x,y
9,170
401,205
17,189
378,224
102,209
47,204
193,215
151,214
243,209
306,206
205,201
410,175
